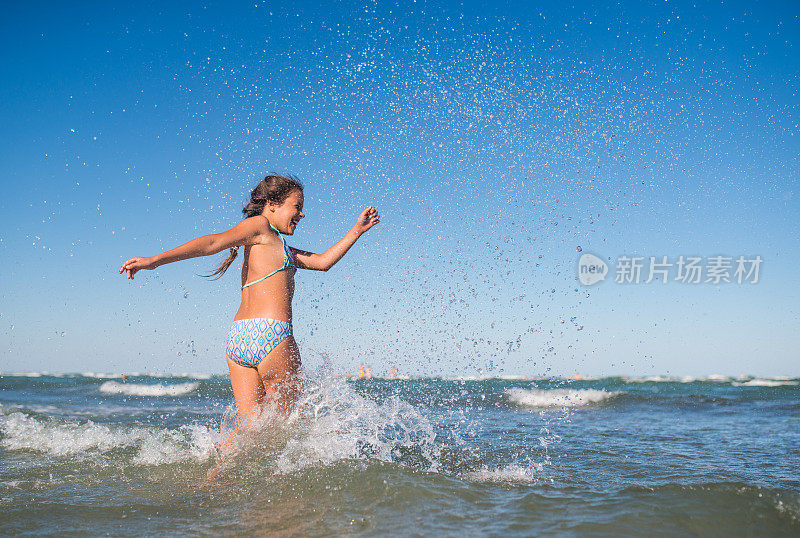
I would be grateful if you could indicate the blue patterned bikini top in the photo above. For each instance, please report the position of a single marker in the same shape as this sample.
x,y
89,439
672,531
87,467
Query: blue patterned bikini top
x,y
288,261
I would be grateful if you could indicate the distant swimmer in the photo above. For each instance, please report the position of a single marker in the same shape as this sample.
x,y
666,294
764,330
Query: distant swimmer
x,y
364,372
262,355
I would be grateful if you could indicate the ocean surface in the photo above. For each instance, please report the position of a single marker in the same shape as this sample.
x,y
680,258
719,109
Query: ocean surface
x,y
95,454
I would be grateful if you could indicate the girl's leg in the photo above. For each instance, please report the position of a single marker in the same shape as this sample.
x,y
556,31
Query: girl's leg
x,y
248,391
276,379
279,375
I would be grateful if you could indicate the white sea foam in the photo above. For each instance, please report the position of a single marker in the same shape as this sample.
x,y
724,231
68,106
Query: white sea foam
x,y
761,382
651,379
36,408
191,376
717,377
136,389
558,397
663,379
96,375
489,377
333,423
88,439
508,474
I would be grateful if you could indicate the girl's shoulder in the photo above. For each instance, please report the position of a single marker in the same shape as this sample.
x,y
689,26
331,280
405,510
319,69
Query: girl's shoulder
x,y
258,221
260,226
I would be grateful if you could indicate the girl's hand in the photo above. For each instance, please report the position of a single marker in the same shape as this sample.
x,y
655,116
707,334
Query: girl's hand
x,y
367,219
134,264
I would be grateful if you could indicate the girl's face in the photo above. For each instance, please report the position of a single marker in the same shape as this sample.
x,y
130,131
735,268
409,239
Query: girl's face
x,y
286,216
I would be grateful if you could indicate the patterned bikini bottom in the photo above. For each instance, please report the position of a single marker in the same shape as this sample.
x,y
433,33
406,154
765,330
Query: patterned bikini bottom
x,y
251,340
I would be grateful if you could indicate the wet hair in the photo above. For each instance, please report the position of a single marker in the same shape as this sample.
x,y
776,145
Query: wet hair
x,y
273,188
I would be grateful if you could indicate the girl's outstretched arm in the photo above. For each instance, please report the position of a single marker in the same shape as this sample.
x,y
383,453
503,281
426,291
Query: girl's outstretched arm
x,y
322,262
247,232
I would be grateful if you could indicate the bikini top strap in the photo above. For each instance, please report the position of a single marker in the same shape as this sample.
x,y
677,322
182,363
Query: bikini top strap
x,y
262,278
288,261
280,236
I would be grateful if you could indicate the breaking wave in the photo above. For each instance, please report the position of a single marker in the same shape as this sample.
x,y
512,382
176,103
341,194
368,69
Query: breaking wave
x,y
152,446
136,389
559,397
766,383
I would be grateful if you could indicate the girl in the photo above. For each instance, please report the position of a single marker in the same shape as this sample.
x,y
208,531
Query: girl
x,y
262,354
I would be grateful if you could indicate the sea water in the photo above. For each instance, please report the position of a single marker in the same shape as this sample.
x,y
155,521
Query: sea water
x,y
99,454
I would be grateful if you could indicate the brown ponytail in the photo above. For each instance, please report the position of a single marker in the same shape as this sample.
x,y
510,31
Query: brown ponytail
x,y
273,188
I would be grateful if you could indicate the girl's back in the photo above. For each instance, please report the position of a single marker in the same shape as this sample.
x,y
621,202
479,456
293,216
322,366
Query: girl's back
x,y
272,296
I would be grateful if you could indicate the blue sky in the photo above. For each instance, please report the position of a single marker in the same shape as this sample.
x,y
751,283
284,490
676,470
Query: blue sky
x,y
495,141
